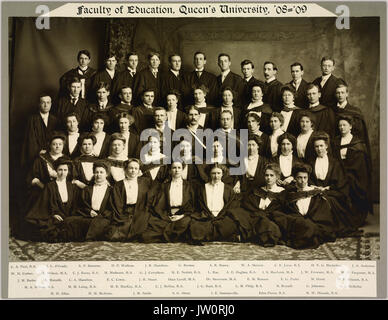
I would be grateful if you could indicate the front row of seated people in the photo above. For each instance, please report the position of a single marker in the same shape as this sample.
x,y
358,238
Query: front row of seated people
x,y
310,192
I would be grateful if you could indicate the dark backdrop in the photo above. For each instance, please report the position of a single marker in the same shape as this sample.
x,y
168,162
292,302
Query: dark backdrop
x,y
41,57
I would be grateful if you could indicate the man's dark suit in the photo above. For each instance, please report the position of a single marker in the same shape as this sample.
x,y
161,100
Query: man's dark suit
x,y
328,97
146,80
235,82
272,94
192,80
301,100
123,78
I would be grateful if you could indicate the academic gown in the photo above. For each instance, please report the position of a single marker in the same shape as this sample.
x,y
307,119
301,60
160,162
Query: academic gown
x,y
36,137
116,110
160,226
236,83
170,82
144,118
307,231
76,72
192,80
309,152
254,222
161,176
247,92
181,120
209,111
81,226
301,99
216,115
247,184
264,112
119,164
358,173
205,226
104,152
265,149
94,109
65,107
328,97
324,119
295,161
41,224
294,124
76,151
78,170
102,76
129,221
272,94
337,196
123,78
146,80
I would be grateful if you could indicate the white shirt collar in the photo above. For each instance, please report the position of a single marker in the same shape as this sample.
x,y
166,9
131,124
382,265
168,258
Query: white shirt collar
x,y
314,105
199,70
44,115
324,78
201,105
131,70
342,105
225,73
175,72
270,79
247,79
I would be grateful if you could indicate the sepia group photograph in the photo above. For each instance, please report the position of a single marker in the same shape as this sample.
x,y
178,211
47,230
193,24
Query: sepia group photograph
x,y
194,139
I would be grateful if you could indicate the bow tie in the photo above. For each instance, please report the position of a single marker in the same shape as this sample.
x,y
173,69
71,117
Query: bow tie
x,y
285,109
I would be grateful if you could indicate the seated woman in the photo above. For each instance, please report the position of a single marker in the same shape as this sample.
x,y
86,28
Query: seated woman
x,y
290,112
270,144
171,211
255,165
129,205
42,171
153,166
227,95
91,220
213,218
117,158
304,141
328,175
352,152
101,147
132,140
259,108
83,165
305,220
256,207
45,219
286,158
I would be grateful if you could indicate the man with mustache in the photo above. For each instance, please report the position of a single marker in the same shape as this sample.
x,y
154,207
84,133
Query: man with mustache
x,y
272,87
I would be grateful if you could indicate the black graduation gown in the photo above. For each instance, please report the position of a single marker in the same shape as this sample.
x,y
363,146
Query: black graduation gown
x,y
272,94
160,226
308,231
309,153
248,184
161,176
328,97
265,149
65,107
236,83
123,78
144,118
295,161
254,223
301,99
117,164
78,170
170,82
94,109
66,78
116,110
324,119
192,80
76,151
129,221
358,173
216,115
247,92
294,124
81,226
337,196
181,120
206,227
40,219
209,111
102,76
146,80
104,152
36,137
266,112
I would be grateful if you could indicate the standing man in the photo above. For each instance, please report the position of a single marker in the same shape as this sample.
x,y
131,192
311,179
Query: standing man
x,y
109,74
272,87
200,77
328,83
228,79
143,114
82,71
149,78
324,116
300,85
173,79
247,69
125,78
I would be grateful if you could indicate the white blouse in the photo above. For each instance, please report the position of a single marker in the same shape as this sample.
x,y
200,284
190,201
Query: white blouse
x,y
215,197
274,144
285,163
185,172
287,117
88,170
62,188
264,203
303,204
98,195
321,167
176,193
171,116
345,140
301,143
251,165
131,190
100,139
73,139
118,174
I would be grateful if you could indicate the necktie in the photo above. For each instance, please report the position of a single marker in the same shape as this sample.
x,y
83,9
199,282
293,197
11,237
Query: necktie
x,y
199,74
73,100
154,73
